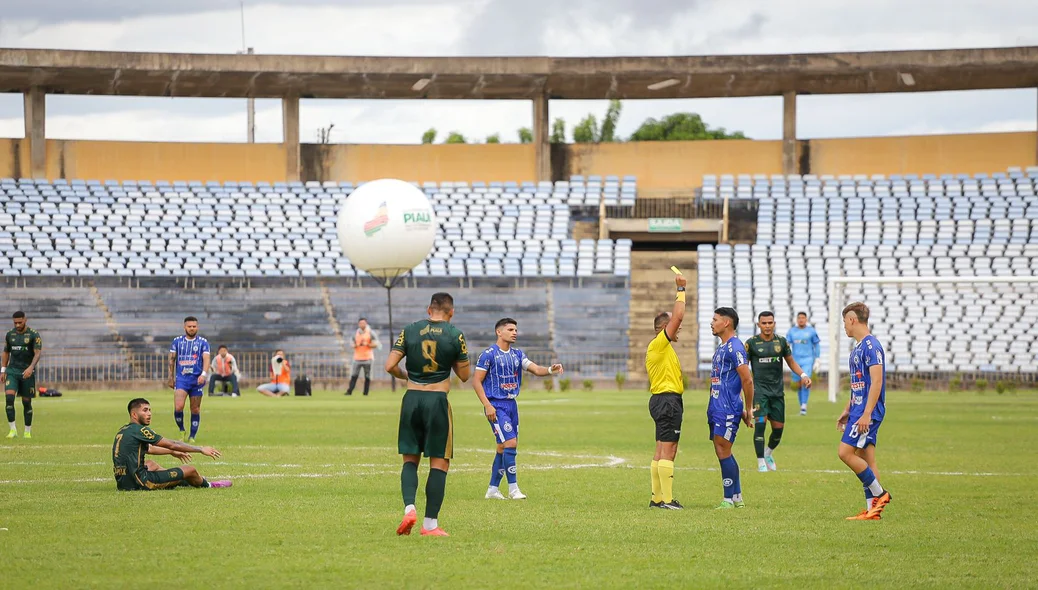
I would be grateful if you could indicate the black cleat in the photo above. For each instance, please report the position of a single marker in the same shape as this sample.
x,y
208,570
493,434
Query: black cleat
x,y
673,505
655,504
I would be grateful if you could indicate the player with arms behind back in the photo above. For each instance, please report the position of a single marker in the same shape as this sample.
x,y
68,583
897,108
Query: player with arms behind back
x,y
188,359
766,352
499,376
22,349
804,341
865,411
433,347
729,373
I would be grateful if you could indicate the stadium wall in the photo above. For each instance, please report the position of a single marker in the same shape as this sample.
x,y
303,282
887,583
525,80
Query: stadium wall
x,y
658,165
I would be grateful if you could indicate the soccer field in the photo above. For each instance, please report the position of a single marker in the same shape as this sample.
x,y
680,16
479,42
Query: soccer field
x,y
316,499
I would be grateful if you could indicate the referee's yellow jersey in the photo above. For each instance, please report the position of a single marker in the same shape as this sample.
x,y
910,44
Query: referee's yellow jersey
x,y
661,362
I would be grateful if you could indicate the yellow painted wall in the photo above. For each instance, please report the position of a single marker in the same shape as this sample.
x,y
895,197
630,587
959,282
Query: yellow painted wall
x,y
658,165
496,162
676,164
923,154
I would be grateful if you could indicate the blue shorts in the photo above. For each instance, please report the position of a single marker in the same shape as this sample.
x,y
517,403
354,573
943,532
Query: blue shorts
x,y
807,365
189,383
725,426
507,425
857,439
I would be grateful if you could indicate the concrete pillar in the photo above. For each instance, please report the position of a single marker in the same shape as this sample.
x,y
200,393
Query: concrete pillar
x,y
541,143
789,133
290,122
35,131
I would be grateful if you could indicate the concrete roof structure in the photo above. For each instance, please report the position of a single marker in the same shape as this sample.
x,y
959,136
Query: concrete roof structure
x,y
278,76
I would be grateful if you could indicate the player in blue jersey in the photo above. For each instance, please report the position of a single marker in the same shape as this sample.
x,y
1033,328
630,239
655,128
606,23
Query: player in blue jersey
x,y
729,376
499,377
188,359
804,341
861,420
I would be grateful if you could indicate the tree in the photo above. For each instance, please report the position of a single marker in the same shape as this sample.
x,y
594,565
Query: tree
x,y
681,127
429,136
525,135
324,134
494,138
612,117
558,130
455,137
586,131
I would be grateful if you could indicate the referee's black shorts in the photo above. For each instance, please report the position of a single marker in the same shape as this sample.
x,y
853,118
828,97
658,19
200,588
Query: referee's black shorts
x,y
667,410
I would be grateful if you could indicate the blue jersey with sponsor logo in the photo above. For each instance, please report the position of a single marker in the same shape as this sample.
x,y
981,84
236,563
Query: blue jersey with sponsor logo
x,y
504,371
866,354
189,353
804,342
725,384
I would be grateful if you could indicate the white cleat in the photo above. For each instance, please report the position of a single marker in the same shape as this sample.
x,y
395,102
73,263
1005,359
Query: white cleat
x,y
517,495
770,462
494,494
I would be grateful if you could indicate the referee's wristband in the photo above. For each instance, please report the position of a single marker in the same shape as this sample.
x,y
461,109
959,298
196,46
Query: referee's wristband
x,y
681,296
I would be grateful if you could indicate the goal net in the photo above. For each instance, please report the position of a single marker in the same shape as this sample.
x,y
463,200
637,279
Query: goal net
x,y
933,327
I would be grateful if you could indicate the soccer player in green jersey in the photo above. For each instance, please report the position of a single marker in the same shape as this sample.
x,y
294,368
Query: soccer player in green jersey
x,y
22,349
433,347
767,351
136,439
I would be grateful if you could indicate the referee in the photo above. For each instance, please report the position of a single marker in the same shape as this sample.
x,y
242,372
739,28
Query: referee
x,y
665,403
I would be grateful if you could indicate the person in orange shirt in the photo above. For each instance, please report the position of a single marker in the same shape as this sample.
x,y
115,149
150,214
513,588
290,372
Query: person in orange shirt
x,y
364,343
223,369
280,376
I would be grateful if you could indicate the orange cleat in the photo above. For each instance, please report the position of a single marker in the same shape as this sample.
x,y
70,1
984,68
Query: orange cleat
x,y
878,504
864,515
407,523
436,532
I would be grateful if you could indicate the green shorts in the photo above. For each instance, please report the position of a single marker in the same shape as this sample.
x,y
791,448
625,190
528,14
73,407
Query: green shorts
x,y
426,425
162,479
22,387
770,407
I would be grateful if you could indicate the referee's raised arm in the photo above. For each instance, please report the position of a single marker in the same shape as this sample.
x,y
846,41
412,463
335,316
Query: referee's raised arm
x,y
678,313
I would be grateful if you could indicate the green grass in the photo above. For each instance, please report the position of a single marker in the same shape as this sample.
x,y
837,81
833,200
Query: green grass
x,y
316,499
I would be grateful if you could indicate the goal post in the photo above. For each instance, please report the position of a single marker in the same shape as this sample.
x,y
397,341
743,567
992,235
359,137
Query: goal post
x,y
837,303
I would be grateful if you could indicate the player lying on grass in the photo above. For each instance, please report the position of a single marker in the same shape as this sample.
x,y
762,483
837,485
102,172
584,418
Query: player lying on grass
x,y
499,375
136,439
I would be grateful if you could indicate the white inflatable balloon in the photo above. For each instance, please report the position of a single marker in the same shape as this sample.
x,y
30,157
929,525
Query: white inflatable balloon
x,y
386,227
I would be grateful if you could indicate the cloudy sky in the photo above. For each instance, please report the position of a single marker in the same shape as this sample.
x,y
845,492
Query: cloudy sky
x,y
516,27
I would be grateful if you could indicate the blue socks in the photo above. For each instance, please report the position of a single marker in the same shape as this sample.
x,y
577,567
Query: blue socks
x,y
508,461
498,470
802,394
179,417
871,484
195,418
730,477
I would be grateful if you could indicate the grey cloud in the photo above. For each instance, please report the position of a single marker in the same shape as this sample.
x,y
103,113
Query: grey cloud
x,y
56,11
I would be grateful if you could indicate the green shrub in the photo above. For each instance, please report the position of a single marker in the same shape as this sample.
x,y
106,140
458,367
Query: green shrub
x,y
1001,386
955,383
564,384
620,380
549,384
684,380
982,385
916,385
588,384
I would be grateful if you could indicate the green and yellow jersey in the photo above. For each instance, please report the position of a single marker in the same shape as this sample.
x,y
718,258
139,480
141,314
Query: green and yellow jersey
x,y
766,358
431,349
128,450
22,347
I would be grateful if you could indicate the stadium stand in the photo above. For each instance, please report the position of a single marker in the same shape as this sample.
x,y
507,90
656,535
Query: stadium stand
x,y
810,228
110,232
89,228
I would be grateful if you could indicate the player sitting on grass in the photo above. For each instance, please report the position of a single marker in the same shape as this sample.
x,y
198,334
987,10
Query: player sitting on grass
x,y
133,472
499,374
766,352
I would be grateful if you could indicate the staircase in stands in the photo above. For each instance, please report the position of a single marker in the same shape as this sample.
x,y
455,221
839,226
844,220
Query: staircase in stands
x,y
652,291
